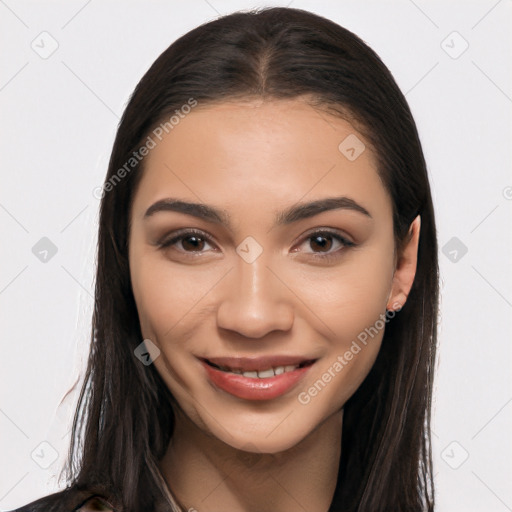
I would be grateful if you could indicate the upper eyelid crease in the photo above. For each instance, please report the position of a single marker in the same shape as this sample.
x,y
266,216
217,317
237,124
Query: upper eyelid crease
x,y
288,216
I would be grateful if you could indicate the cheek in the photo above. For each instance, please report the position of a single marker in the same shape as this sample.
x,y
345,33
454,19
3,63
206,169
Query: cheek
x,y
164,294
171,302
165,301
362,297
352,303
350,297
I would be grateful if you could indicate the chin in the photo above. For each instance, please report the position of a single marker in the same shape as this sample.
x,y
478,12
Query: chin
x,y
272,434
267,445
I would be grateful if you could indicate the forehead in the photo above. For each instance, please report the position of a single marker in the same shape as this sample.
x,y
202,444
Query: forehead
x,y
256,153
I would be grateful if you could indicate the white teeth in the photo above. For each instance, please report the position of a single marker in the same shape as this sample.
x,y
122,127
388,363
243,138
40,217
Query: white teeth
x,y
266,373
262,374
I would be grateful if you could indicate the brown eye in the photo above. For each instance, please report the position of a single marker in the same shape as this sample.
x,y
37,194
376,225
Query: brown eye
x,y
192,243
322,242
325,244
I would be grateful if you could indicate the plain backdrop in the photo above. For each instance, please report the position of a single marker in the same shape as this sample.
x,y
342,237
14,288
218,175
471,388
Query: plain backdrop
x,y
67,70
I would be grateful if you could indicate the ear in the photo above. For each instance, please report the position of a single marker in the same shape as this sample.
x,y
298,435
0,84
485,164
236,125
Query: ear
x,y
405,268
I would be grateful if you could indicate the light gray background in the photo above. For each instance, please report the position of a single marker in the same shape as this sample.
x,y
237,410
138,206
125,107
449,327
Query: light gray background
x,y
59,116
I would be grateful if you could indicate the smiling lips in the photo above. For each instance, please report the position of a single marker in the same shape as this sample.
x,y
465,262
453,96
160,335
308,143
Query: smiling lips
x,y
263,378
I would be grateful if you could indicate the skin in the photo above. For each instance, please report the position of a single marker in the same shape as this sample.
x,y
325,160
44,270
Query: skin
x,y
253,159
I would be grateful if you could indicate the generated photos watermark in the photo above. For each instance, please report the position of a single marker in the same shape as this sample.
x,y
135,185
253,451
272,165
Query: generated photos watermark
x,y
150,143
343,360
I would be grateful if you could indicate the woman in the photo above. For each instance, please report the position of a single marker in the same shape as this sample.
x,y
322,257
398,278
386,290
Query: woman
x,y
266,300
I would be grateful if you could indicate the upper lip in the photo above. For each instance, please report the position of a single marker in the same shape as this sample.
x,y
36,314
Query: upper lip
x,y
247,364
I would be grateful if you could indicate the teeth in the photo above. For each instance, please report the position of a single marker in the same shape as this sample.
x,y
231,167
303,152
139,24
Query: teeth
x,y
263,374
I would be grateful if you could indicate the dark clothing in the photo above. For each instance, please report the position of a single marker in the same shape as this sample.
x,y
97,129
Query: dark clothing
x,y
68,500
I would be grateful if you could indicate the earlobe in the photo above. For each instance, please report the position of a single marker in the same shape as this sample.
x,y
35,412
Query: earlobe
x,y
405,270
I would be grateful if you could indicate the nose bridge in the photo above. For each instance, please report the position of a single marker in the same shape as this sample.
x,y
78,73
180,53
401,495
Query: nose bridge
x,y
255,302
255,282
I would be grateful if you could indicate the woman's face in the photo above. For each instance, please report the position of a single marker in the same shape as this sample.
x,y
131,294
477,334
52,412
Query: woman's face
x,y
270,314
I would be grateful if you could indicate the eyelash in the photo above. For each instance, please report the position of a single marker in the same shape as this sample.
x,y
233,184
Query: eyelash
x,y
183,234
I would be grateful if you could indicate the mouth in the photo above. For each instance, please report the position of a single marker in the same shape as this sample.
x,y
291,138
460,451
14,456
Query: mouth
x,y
262,378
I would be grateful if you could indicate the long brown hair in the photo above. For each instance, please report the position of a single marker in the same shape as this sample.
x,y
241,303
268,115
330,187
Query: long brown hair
x,y
124,420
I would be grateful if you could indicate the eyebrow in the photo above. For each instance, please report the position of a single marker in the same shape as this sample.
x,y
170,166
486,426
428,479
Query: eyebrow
x,y
293,214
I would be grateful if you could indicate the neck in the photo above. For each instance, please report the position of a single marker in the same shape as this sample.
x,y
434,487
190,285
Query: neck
x,y
208,475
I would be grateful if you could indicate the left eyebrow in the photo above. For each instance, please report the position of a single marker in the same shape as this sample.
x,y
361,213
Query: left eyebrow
x,y
293,214
306,210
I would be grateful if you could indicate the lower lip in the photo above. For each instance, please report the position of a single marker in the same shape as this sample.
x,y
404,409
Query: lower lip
x,y
254,388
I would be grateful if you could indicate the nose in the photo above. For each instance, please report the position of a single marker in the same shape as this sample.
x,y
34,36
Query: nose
x,y
255,301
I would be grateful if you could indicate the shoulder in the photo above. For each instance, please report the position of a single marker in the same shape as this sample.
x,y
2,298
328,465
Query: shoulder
x,y
69,500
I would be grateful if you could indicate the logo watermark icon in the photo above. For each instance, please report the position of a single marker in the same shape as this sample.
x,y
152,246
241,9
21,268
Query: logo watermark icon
x,y
147,352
